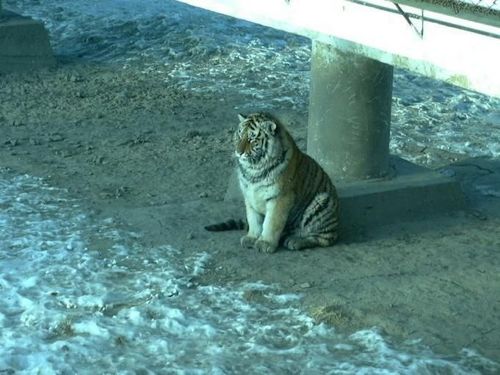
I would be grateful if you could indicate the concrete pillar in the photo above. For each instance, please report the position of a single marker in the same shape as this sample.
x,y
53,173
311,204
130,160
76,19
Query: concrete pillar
x,y
349,114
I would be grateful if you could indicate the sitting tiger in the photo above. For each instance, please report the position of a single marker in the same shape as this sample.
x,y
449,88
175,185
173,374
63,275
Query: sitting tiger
x,y
289,199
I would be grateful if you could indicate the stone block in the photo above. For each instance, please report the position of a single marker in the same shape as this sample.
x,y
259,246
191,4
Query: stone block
x,y
24,44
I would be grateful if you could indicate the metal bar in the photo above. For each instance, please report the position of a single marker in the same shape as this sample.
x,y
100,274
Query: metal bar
x,y
417,13
407,18
459,9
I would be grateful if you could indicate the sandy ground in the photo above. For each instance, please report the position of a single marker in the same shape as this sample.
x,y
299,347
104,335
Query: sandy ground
x,y
157,157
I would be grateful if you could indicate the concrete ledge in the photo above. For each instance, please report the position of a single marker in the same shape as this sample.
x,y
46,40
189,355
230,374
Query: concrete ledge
x,y
413,193
24,44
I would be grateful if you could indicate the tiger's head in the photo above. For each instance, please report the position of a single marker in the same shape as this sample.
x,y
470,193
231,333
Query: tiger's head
x,y
256,138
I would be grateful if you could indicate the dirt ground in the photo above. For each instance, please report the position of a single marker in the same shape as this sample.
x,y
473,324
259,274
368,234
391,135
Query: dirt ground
x,y
157,157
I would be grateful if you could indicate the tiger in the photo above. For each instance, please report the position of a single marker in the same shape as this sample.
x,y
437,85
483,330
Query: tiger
x,y
289,199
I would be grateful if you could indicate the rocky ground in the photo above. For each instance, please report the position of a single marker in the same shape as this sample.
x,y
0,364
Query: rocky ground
x,y
157,157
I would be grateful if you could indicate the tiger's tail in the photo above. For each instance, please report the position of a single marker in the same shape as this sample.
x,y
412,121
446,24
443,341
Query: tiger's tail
x,y
227,225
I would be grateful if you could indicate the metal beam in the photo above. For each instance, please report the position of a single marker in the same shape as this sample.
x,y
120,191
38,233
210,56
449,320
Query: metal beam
x,y
455,50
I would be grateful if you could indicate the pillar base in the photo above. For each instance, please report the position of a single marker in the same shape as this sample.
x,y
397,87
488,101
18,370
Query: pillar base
x,y
24,44
413,193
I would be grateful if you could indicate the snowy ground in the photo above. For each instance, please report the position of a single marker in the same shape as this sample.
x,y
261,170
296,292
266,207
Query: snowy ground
x,y
134,125
78,296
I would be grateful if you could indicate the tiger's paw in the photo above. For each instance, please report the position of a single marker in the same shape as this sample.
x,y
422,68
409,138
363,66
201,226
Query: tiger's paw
x,y
296,243
265,247
248,241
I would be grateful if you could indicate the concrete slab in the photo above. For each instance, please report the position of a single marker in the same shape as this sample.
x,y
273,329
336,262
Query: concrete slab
x,y
453,49
24,44
413,193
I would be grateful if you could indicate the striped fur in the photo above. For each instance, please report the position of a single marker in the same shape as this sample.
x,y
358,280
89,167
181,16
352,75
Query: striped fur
x,y
289,199
227,225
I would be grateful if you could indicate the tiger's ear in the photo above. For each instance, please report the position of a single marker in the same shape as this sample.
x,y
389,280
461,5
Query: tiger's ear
x,y
271,127
241,117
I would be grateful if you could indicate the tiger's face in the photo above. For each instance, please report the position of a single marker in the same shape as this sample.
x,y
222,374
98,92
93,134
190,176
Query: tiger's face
x,y
254,137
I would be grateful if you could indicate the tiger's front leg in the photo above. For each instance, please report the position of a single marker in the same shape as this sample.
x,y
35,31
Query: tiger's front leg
x,y
277,211
254,220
